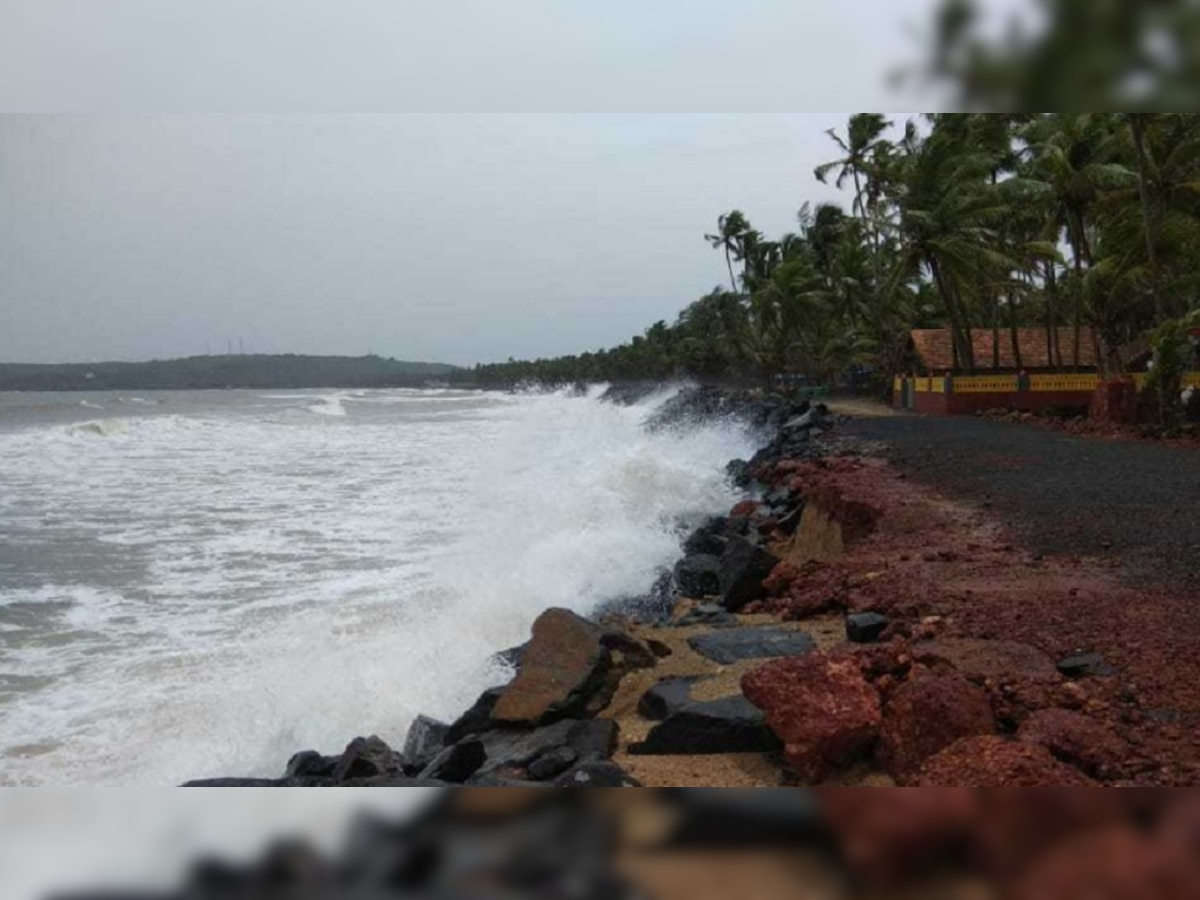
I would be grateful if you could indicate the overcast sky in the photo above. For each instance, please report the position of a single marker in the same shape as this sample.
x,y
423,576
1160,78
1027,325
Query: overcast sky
x,y
452,235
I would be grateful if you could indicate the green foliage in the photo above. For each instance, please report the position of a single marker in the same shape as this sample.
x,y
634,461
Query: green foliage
x,y
1060,221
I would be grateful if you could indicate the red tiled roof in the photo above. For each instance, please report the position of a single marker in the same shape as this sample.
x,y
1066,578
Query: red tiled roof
x,y
935,350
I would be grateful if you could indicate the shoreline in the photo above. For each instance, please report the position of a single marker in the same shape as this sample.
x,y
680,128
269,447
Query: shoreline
x,y
835,629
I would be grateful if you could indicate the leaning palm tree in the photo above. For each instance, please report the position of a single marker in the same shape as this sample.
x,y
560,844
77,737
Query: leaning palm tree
x,y
732,229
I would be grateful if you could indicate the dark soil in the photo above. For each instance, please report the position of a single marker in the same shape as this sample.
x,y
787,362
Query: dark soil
x,y
1133,502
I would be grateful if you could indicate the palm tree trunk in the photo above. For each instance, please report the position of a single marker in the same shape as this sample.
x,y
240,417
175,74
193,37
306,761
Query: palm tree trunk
x,y
1013,330
964,352
729,263
1137,124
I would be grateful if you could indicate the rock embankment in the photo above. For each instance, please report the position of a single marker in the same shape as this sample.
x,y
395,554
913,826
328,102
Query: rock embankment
x,y
842,625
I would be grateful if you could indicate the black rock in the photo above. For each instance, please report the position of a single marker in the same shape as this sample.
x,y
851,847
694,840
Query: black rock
x,y
866,627
552,763
735,644
236,782
1085,665
476,719
457,763
311,764
728,725
596,774
426,739
513,749
705,542
707,614
654,606
736,526
739,473
743,569
698,576
790,521
512,656
746,817
666,698
367,758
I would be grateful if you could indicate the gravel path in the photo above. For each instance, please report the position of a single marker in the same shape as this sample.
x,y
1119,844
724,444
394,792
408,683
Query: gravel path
x,y
1136,502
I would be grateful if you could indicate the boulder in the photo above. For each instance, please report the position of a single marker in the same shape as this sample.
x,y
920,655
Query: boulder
x,y
457,762
744,567
367,758
708,539
1085,665
866,627
1115,863
552,763
739,473
989,761
514,752
236,783
475,720
727,725
563,669
311,764
426,739
1074,738
698,575
666,698
821,706
735,644
926,715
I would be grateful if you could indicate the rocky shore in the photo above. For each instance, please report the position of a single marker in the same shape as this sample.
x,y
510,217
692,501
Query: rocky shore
x,y
833,629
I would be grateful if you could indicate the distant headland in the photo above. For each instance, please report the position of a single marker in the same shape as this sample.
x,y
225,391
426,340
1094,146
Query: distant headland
x,y
286,370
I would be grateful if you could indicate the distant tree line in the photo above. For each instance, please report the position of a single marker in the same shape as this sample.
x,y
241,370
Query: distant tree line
x,y
238,371
1058,221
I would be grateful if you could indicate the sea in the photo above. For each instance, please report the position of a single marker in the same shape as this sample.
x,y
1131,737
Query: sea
x,y
198,584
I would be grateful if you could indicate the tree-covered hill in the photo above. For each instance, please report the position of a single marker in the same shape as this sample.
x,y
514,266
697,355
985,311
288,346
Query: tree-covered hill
x,y
237,371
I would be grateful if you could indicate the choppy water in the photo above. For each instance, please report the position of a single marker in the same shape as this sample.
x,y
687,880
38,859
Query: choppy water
x,y
198,584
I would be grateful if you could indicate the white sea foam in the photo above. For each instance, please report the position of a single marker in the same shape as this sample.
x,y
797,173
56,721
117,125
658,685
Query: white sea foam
x,y
223,588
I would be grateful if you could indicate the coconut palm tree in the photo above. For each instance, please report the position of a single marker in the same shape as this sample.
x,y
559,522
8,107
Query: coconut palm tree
x,y
732,228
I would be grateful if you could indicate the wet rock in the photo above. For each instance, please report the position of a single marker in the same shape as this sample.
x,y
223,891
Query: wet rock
x,y
426,738
457,763
727,725
475,720
1074,738
822,707
1085,665
739,473
866,627
926,715
744,567
311,764
735,644
236,783
552,763
596,774
698,576
514,751
367,758
990,761
511,657
704,542
563,669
